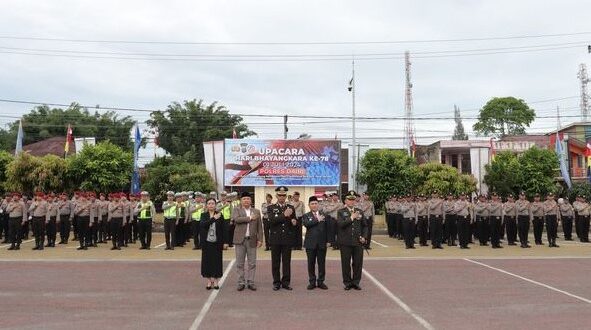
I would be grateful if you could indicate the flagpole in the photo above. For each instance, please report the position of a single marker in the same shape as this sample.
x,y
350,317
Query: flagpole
x,y
353,184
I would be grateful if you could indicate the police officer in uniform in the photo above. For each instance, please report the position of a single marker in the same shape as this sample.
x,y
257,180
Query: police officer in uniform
x,y
170,218
551,214
266,225
283,223
495,212
566,216
409,221
450,218
537,212
369,212
144,211
17,215
51,220
582,209
462,210
389,206
523,219
422,219
510,219
352,232
482,222
38,211
115,216
435,215
195,210
82,211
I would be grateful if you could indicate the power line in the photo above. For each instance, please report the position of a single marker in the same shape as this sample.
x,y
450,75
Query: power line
x,y
160,42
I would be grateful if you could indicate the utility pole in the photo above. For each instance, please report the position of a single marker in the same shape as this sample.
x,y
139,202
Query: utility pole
x,y
409,129
352,175
285,129
584,103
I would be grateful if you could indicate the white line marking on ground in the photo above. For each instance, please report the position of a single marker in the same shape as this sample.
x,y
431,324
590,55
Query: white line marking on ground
x,y
380,244
23,242
160,245
398,301
530,281
211,298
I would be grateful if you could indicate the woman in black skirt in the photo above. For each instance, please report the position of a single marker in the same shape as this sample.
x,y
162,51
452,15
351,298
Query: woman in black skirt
x,y
213,235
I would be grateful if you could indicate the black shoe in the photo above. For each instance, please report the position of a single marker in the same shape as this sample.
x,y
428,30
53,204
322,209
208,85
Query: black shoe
x,y
287,287
512,243
113,248
35,248
439,247
276,287
167,248
348,287
208,287
356,287
322,286
143,248
216,287
195,248
252,287
11,248
311,286
81,248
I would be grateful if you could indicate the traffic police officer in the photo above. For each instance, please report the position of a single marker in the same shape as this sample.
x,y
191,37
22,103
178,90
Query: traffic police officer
x,y
283,223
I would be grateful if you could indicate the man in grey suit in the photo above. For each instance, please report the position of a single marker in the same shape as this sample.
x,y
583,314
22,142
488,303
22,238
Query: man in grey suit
x,y
248,236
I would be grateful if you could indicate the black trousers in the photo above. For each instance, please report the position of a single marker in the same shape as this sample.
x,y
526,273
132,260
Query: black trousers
x,y
102,229
511,226
93,232
170,232
495,230
195,233
551,228
567,227
134,229
39,231
83,223
584,223
25,229
369,231
126,237
482,226
65,228
266,230
408,225
523,228
51,231
4,226
116,230
435,226
281,258
422,228
14,231
578,225
316,256
351,261
298,242
231,228
538,223
463,230
451,228
398,219
390,224
75,226
145,232
180,233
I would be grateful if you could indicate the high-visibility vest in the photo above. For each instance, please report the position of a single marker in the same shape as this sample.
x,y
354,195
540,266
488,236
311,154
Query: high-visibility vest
x,y
146,214
196,215
170,213
227,211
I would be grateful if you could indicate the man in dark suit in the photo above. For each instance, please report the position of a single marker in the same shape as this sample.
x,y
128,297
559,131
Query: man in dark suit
x,y
318,238
352,234
283,222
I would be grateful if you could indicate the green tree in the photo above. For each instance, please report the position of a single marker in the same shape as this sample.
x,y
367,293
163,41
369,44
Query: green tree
x,y
583,188
503,116
533,172
387,172
104,167
445,179
183,127
459,133
52,174
21,173
173,173
5,159
44,122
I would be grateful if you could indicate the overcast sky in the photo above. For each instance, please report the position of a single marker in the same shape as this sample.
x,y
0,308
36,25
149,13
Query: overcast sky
x,y
298,87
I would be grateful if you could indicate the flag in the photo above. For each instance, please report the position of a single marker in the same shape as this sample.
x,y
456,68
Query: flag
x,y
493,152
350,88
135,180
588,155
234,134
561,158
19,139
69,139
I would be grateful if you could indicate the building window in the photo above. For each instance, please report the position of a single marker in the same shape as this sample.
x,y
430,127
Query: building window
x,y
580,161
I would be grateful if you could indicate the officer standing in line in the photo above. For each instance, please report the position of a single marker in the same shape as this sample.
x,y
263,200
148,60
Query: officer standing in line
x,y
4,218
537,212
435,215
389,206
266,225
283,224
17,215
133,227
582,210
409,221
144,211
195,210
170,218
352,232
116,212
51,220
181,207
462,210
495,214
102,226
369,212
422,219
298,205
74,217
450,218
38,211
65,214
551,214
92,238
82,211
566,216
331,210
523,219
510,219
481,214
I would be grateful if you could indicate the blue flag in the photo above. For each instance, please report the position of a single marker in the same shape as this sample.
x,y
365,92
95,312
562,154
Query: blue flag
x,y
135,179
561,158
19,139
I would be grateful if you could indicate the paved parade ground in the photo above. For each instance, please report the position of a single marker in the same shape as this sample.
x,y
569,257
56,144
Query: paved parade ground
x,y
480,288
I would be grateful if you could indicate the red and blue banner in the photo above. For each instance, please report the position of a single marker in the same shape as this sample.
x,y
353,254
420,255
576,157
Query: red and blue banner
x,y
254,162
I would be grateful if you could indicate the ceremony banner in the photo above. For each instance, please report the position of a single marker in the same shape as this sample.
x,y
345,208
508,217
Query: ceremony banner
x,y
253,162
